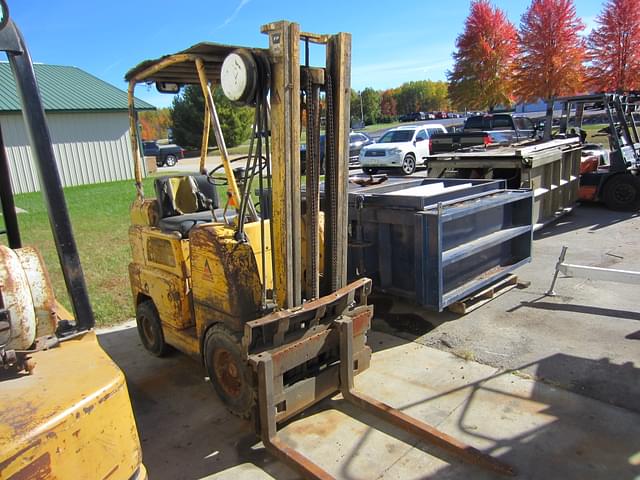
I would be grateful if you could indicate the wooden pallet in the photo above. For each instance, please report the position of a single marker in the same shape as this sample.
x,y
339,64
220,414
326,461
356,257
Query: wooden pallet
x,y
469,304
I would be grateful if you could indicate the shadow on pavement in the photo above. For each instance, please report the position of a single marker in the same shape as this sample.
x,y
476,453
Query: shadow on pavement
x,y
592,216
186,433
586,309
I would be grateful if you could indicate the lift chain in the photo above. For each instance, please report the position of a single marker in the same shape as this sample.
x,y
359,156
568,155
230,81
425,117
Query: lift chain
x,y
331,192
313,167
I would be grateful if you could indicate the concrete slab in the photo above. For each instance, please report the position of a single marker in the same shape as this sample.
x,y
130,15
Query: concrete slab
x,y
543,431
246,471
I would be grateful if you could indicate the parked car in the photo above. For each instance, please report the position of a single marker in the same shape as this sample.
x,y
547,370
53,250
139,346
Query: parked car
x,y
357,140
479,130
166,155
400,147
413,117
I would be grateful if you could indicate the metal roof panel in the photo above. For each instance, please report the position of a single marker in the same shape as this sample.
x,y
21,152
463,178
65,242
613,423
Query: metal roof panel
x,y
66,88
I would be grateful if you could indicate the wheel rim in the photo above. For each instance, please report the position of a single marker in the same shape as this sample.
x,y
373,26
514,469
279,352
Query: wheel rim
x,y
228,373
624,193
171,160
409,165
148,330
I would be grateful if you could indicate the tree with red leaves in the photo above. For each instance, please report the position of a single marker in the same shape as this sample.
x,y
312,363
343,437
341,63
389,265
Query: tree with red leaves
x,y
483,69
551,51
388,103
614,48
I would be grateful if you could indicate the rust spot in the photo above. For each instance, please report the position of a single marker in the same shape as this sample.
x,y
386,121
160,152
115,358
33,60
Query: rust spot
x,y
108,395
38,469
323,427
21,419
361,321
4,464
76,433
88,409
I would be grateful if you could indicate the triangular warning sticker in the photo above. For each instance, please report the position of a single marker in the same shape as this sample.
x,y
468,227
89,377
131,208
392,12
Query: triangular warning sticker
x,y
207,270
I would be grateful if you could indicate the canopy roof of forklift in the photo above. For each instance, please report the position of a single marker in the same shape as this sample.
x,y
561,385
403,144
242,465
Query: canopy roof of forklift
x,y
184,72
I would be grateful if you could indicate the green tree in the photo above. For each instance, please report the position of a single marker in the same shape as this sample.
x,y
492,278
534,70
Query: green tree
x,y
371,105
422,95
356,107
187,114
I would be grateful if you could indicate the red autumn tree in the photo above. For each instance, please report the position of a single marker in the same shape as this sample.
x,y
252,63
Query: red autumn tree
x,y
388,103
551,51
483,69
614,47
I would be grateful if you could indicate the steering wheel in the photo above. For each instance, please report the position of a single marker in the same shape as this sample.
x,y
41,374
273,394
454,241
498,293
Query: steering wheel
x,y
211,175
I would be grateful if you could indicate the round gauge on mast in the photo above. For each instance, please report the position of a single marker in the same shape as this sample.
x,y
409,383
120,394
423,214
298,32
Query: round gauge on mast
x,y
238,76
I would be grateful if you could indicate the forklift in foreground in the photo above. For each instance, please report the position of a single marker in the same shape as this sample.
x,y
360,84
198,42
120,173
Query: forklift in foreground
x,y
65,410
262,301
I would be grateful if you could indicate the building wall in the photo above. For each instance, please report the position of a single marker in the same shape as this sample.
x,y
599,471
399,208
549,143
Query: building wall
x,y
90,147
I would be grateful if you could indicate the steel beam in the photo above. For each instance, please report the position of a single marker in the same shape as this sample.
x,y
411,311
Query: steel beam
x,y
337,163
284,52
591,273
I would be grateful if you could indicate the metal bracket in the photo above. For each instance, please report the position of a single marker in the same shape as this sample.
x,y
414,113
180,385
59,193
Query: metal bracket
x,y
10,39
591,273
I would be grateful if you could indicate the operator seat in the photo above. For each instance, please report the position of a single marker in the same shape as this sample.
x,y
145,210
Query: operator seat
x,y
185,201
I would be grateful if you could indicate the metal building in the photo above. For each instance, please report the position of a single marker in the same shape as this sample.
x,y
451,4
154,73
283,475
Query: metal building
x,y
88,122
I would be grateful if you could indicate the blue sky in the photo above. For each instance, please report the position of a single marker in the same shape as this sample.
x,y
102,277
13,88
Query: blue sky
x,y
393,41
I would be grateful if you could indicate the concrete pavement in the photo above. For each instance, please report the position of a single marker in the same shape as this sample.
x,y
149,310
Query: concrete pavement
x,y
550,385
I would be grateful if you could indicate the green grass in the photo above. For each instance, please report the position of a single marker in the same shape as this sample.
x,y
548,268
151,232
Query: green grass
x,y
592,137
379,126
100,218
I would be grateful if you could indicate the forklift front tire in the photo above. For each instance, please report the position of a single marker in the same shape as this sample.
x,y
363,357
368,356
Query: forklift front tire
x,y
229,373
622,192
150,329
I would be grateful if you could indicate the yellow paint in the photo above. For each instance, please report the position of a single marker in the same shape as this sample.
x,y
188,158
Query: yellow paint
x,y
254,236
144,212
70,419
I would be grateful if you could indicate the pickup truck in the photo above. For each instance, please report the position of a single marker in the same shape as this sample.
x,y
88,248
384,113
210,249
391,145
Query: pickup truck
x,y
483,130
166,155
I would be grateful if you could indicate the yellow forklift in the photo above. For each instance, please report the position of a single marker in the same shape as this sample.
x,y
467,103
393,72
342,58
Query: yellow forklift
x,y
65,410
256,290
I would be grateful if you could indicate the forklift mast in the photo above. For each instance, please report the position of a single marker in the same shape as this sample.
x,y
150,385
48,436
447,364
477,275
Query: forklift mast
x,y
624,137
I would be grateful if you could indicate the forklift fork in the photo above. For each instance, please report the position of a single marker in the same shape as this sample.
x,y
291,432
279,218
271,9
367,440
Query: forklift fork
x,y
346,332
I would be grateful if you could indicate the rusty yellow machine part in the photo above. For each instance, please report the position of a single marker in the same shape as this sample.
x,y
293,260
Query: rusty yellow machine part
x,y
70,418
65,410
64,407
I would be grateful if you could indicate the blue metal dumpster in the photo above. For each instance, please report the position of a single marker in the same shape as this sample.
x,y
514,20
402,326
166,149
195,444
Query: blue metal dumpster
x,y
437,241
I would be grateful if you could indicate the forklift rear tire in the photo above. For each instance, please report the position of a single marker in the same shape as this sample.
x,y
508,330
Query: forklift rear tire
x,y
622,192
229,373
150,329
